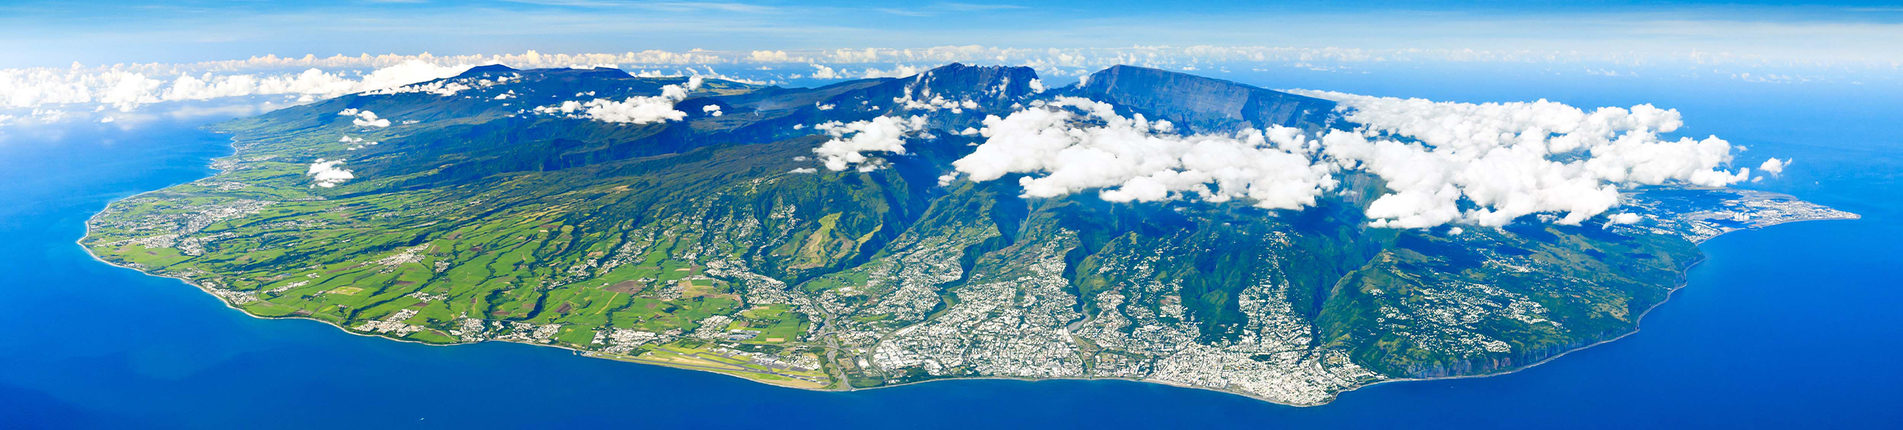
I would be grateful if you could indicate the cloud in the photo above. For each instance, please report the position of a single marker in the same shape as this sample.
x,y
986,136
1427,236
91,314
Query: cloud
x,y
1623,218
369,119
712,110
632,110
769,57
355,143
935,103
1491,163
897,71
936,9
852,140
447,86
364,118
1774,166
977,7
326,174
824,72
692,6
1440,163
1135,159
407,72
661,6
126,89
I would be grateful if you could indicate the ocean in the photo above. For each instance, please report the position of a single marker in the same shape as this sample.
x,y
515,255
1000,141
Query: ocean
x,y
1796,325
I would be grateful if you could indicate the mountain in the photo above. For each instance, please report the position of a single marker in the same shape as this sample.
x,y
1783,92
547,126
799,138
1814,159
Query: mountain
x,y
695,223
1203,103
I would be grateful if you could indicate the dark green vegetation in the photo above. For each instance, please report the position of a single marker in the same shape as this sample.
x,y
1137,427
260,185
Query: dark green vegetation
x,y
695,243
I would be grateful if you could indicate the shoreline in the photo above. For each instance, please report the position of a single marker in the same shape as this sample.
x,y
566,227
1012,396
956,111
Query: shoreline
x,y
1638,325
233,144
1331,397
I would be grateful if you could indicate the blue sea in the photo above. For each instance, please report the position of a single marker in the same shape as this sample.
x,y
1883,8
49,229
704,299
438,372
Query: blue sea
x,y
1799,325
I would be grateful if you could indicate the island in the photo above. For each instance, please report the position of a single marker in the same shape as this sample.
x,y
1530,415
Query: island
x,y
889,231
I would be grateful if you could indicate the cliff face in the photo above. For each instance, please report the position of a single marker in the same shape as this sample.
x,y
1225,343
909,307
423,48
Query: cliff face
x,y
987,86
1203,103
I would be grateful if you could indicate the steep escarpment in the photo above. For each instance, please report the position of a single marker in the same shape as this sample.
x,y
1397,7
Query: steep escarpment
x,y
1203,103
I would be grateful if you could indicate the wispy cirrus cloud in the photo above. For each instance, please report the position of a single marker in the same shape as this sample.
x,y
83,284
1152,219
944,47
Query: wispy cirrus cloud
x,y
950,8
664,6
53,34
979,7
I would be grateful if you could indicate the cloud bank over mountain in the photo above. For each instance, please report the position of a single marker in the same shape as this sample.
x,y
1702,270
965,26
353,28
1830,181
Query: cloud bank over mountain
x,y
632,110
851,141
126,88
1442,163
1490,163
1136,159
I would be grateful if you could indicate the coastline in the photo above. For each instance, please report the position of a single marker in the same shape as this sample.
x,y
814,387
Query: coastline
x,y
1638,325
1331,397
233,144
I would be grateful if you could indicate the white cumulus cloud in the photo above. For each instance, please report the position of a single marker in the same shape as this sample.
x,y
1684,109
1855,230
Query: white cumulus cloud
x,y
1774,166
364,118
126,88
325,173
448,87
1135,159
632,110
1441,163
1488,164
852,140
824,72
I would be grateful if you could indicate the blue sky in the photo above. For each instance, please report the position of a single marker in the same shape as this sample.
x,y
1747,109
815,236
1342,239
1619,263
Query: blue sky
x,y
56,33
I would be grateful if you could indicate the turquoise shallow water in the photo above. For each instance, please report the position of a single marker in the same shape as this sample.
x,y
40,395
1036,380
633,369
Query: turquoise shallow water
x,y
1792,325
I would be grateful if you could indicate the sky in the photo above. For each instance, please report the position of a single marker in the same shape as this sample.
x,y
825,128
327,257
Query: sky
x,y
58,33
